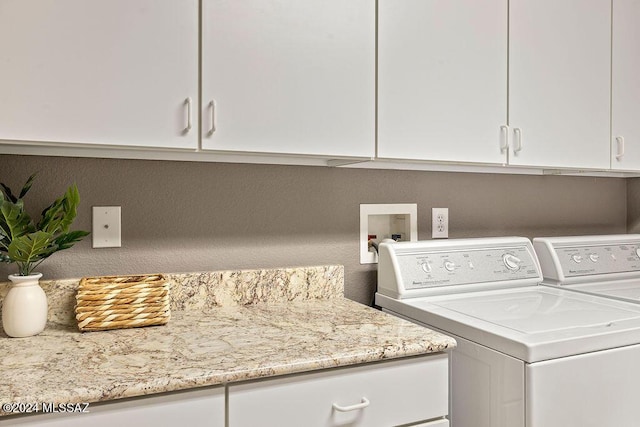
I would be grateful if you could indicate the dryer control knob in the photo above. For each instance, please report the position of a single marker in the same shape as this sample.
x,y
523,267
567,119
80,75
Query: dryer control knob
x,y
449,265
576,258
638,252
512,262
425,267
594,257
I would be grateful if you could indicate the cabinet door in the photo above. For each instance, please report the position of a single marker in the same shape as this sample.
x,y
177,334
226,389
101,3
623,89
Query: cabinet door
x,y
559,82
381,394
112,72
197,408
625,125
289,76
442,82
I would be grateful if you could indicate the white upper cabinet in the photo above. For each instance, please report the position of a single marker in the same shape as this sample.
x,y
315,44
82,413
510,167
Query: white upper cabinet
x,y
625,123
113,72
289,76
442,82
559,83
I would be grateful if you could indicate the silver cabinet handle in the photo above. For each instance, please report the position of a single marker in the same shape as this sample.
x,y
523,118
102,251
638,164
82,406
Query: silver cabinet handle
x,y
363,404
517,132
212,109
188,104
620,142
504,138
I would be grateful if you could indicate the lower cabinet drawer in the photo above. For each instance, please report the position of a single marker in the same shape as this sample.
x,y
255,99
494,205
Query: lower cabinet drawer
x,y
194,408
380,394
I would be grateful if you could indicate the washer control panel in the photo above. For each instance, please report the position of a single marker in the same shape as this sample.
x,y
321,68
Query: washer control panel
x,y
604,259
427,269
439,267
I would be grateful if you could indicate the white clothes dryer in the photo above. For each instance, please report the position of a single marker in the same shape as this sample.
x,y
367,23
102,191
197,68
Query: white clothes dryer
x,y
605,265
527,355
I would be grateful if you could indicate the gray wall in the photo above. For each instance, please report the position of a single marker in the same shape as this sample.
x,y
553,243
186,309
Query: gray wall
x,y
633,205
188,216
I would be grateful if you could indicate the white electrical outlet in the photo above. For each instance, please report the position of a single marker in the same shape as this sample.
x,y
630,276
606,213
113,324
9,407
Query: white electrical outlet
x,y
106,227
440,223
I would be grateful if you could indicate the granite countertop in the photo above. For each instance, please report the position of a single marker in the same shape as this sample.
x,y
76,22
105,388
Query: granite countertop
x,y
213,344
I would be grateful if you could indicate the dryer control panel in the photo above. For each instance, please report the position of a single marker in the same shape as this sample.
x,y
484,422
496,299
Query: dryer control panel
x,y
566,260
413,269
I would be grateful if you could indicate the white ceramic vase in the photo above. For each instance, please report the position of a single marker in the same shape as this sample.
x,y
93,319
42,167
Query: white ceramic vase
x,y
24,309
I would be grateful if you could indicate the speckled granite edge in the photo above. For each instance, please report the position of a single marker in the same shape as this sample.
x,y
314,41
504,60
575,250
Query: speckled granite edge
x,y
226,345
206,290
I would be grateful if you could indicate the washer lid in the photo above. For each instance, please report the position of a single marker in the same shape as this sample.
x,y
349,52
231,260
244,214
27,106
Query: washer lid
x,y
535,312
530,323
625,290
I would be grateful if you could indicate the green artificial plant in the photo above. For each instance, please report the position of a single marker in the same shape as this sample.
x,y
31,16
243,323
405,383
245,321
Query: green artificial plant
x,y
28,244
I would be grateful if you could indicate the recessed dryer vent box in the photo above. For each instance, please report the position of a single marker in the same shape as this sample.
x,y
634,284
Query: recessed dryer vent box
x,y
386,221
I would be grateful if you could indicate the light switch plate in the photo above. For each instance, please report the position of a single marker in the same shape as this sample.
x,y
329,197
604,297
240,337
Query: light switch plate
x,y
106,227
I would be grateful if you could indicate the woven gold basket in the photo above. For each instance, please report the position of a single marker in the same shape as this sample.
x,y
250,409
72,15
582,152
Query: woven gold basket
x,y
114,302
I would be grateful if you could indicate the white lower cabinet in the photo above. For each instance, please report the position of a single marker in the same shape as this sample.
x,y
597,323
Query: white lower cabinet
x,y
405,391
380,394
196,408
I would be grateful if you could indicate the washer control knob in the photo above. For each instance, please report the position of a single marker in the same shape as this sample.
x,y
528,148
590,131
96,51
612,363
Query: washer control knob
x,y
576,258
512,262
594,257
425,267
449,265
638,252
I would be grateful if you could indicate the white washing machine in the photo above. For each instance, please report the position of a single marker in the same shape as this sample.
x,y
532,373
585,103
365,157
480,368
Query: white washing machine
x,y
606,265
527,355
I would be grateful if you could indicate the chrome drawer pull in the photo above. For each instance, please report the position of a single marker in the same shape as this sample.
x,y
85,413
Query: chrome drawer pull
x,y
363,404
212,109
187,102
620,142
504,135
518,134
